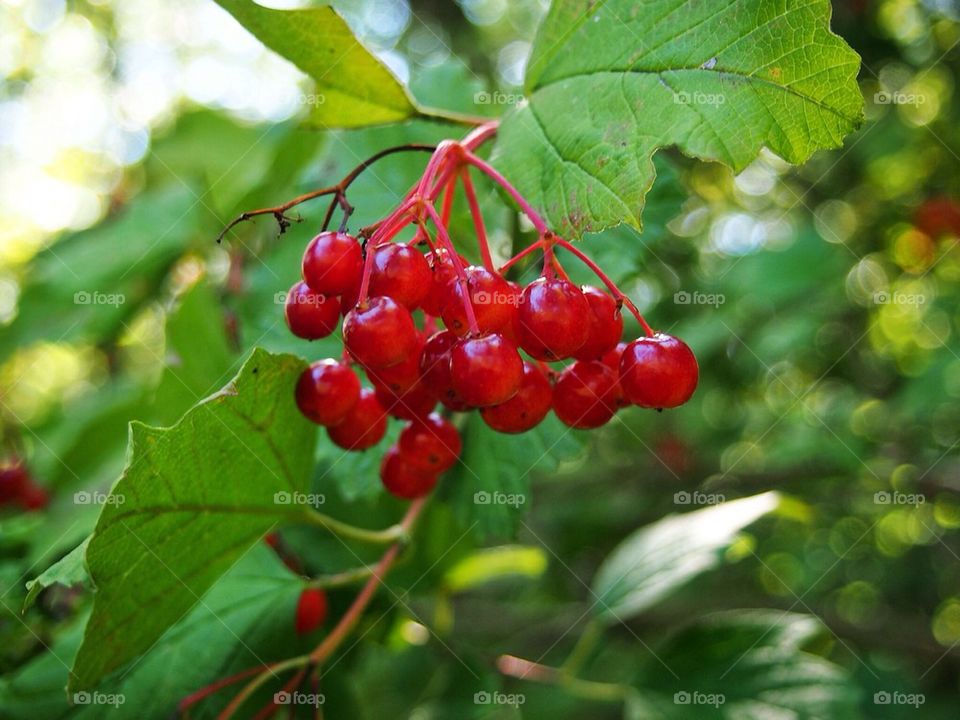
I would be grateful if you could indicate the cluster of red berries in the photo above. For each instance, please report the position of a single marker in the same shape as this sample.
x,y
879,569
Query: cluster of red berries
x,y
473,362
18,489
427,328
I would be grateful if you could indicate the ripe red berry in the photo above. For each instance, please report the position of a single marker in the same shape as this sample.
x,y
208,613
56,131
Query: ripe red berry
x,y
311,610
400,377
612,357
527,408
431,444
435,369
34,497
400,272
404,480
415,402
486,370
494,302
586,395
13,480
363,427
443,275
327,391
332,263
604,324
311,315
658,372
552,319
380,333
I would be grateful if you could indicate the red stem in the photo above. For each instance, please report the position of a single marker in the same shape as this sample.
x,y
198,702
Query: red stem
x,y
520,255
477,218
210,689
458,267
617,293
448,200
528,210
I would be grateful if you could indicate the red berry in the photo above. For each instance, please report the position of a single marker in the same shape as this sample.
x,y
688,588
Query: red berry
x,y
311,610
612,358
327,391
527,408
586,395
400,272
13,480
658,372
431,444
363,427
604,324
400,377
309,314
332,263
350,296
415,402
443,275
380,333
34,497
404,480
552,322
494,302
435,369
486,370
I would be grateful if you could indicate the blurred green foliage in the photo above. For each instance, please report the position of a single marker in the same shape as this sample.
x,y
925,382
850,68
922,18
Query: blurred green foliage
x,y
822,303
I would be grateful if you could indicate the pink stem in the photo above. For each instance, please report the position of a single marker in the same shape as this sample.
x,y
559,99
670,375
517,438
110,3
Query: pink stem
x,y
386,232
438,157
484,167
447,206
458,267
608,282
477,218
520,255
477,137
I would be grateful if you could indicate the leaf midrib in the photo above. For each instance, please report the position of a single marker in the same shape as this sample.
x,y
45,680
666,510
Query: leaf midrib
x,y
660,71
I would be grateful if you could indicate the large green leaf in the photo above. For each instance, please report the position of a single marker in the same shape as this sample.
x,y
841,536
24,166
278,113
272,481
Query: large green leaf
x,y
192,501
611,82
745,665
658,559
353,88
245,619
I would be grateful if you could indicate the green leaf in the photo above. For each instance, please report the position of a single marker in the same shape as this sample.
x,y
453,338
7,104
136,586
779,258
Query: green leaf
x,y
70,570
245,619
193,499
491,486
353,88
495,563
609,83
747,665
658,559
